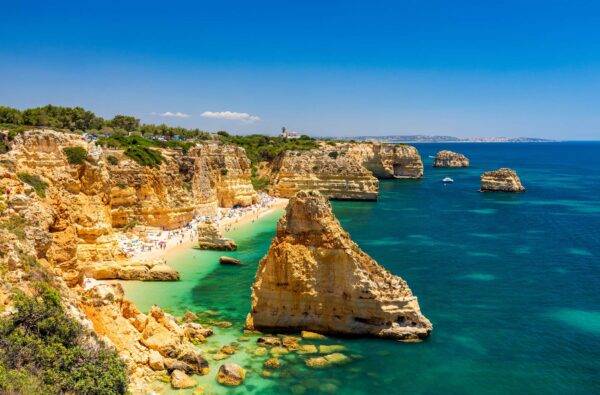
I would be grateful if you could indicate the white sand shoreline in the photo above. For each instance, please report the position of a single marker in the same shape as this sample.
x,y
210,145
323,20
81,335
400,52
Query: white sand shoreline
x,y
227,220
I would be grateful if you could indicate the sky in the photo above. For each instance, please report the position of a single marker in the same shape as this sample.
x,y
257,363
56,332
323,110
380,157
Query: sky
x,y
335,68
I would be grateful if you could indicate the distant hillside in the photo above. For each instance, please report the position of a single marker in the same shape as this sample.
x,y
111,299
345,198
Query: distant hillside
x,y
422,138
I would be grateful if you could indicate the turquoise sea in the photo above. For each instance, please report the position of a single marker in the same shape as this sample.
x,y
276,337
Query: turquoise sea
x,y
511,282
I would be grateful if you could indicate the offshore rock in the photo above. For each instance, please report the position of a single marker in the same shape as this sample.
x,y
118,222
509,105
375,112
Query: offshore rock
x,y
447,158
503,179
209,238
315,278
227,260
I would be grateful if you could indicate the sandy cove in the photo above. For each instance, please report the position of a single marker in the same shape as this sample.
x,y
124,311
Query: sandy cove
x,y
228,220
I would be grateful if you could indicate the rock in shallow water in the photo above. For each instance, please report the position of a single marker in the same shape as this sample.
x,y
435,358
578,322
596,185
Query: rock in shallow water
x,y
314,277
227,260
231,374
180,380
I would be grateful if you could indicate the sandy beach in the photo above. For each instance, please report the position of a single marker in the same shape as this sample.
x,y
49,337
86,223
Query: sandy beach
x,y
226,219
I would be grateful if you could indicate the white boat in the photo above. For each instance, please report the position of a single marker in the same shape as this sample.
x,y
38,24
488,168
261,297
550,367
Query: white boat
x,y
447,180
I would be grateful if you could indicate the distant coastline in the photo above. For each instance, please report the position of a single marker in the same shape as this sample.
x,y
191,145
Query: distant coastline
x,y
422,138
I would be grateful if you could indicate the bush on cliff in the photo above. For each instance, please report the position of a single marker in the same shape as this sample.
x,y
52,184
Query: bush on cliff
x,y
42,351
34,181
75,155
144,156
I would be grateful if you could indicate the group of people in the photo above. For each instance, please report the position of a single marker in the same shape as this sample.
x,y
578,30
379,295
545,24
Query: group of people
x,y
161,239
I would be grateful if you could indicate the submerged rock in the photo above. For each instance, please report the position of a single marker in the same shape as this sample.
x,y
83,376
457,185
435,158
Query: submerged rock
x,y
315,278
231,374
447,158
209,238
503,179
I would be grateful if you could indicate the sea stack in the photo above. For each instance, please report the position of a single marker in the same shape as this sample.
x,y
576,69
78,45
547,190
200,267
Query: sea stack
x,y
447,158
503,180
209,238
315,278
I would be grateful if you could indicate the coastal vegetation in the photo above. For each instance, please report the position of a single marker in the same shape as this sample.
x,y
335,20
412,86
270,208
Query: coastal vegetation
x,y
75,155
43,350
35,182
261,148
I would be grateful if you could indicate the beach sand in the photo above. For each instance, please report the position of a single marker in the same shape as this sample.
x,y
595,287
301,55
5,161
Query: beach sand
x,y
225,225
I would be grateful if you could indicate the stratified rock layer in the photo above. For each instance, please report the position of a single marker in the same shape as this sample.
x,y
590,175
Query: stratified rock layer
x,y
315,278
450,159
345,171
501,180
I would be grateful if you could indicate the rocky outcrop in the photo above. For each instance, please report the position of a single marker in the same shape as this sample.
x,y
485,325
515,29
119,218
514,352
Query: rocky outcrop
x,y
231,375
503,179
150,344
152,270
447,158
210,238
314,277
343,170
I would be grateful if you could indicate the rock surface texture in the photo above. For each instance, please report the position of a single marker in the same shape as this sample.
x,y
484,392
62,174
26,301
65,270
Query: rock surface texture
x,y
315,278
450,159
209,238
345,171
503,180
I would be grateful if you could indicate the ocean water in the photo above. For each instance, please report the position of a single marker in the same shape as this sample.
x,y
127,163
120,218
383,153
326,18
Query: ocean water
x,y
511,282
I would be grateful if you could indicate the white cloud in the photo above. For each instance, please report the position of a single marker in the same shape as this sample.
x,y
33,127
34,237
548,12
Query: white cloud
x,y
230,115
170,114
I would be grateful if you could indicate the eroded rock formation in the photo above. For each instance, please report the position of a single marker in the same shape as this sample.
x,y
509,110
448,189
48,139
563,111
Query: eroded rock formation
x,y
210,238
447,158
503,179
314,277
343,170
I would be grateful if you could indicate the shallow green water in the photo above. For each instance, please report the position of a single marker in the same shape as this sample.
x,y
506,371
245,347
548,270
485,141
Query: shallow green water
x,y
510,282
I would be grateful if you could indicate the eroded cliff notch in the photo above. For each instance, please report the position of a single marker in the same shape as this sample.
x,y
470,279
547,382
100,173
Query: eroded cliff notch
x,y
314,277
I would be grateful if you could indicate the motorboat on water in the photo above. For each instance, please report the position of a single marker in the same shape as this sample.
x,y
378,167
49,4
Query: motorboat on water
x,y
447,180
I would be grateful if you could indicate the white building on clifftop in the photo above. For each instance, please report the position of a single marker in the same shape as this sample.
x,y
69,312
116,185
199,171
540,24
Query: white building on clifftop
x,y
288,135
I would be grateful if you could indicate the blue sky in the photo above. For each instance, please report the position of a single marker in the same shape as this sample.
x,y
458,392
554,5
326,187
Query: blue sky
x,y
465,68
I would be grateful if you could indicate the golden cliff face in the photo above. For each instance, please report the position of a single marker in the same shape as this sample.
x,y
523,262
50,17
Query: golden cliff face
x,y
343,170
83,203
77,197
168,196
315,278
229,171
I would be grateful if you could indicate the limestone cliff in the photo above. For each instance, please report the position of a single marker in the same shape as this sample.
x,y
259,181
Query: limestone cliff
x,y
447,158
75,197
229,171
503,179
343,170
314,277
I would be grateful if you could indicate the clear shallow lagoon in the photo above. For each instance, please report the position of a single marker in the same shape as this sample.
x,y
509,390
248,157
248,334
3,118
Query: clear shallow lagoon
x,y
511,282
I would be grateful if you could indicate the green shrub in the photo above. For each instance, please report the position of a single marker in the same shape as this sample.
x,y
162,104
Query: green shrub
x,y
41,351
333,154
35,181
113,160
75,155
15,224
144,156
224,171
265,148
259,183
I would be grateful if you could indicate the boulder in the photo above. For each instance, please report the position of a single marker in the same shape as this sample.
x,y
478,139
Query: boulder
x,y
314,277
503,180
180,380
227,260
231,374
